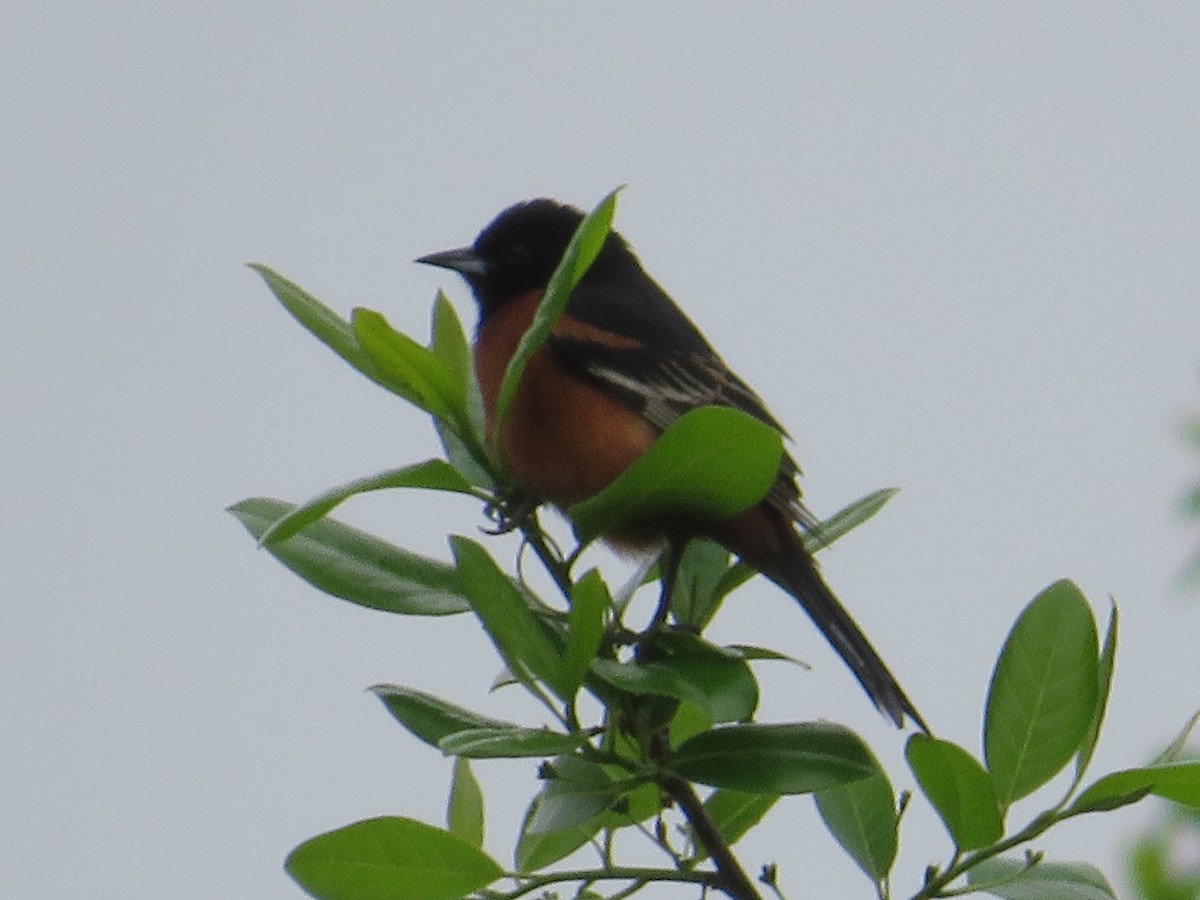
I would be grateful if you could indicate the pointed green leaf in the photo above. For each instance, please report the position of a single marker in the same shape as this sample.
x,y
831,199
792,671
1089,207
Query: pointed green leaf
x,y
1043,693
508,743
585,623
1172,751
1175,781
959,789
576,792
536,850
324,324
832,529
754,653
687,668
861,816
433,474
470,463
737,575
1104,676
711,464
774,759
735,813
414,372
581,252
390,859
464,812
1014,879
519,636
431,718
450,346
846,520
355,566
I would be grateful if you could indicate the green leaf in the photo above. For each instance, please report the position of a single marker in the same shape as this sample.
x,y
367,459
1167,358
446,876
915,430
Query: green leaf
x,y
450,346
753,653
643,573
774,759
687,722
737,575
430,718
463,457
513,742
1104,676
576,792
390,859
355,566
1171,752
518,634
735,813
585,628
414,372
698,607
1176,781
536,850
711,464
1043,693
695,599
433,474
861,816
846,520
464,812
326,325
687,668
959,789
1014,879
581,252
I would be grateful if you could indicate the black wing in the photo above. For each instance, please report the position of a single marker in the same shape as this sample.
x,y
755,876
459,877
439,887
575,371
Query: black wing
x,y
661,385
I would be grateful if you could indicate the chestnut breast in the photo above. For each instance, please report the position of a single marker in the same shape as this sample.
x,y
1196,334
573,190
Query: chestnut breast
x,y
563,439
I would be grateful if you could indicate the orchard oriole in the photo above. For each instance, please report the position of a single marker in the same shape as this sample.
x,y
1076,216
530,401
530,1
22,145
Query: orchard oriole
x,y
621,365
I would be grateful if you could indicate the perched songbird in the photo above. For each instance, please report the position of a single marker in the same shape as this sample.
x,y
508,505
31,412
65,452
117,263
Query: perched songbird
x,y
621,365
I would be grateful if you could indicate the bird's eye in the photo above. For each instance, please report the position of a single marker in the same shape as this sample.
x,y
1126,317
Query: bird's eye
x,y
517,255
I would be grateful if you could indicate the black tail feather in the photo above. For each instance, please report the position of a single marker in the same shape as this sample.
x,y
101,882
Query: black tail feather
x,y
796,572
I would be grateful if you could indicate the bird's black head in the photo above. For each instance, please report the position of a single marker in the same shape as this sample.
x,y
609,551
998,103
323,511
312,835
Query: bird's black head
x,y
519,251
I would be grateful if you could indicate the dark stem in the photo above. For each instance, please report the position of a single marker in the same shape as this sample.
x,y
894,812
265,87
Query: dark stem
x,y
733,878
668,564
936,886
638,875
531,530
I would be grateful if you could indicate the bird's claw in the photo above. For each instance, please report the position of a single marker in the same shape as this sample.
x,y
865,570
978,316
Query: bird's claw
x,y
508,514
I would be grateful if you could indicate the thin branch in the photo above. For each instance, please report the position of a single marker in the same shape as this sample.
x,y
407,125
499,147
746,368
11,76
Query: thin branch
x,y
937,886
733,878
637,874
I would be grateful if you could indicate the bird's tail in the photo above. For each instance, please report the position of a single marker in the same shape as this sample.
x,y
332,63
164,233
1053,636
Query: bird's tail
x,y
783,559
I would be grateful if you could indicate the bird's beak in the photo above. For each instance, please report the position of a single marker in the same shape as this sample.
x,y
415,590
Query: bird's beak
x,y
463,260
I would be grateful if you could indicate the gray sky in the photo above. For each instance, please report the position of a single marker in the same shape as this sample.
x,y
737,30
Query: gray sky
x,y
954,248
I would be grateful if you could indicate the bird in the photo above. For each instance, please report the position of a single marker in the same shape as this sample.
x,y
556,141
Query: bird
x,y
621,364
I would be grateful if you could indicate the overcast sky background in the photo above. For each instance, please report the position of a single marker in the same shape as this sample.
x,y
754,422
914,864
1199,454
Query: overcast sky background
x,y
954,248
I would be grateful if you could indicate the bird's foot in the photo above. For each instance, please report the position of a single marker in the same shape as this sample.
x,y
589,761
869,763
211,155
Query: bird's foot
x,y
509,513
